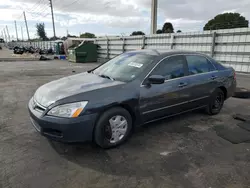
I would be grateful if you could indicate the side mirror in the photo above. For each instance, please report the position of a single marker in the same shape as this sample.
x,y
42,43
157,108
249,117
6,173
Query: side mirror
x,y
156,79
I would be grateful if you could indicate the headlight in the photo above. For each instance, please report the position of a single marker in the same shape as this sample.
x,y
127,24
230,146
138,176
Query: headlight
x,y
68,110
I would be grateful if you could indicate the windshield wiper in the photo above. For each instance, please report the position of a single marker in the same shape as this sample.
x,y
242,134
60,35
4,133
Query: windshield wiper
x,y
105,76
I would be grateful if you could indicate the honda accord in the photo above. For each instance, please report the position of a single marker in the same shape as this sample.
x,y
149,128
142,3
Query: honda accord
x,y
104,104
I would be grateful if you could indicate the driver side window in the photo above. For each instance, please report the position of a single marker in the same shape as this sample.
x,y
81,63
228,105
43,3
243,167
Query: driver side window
x,y
170,68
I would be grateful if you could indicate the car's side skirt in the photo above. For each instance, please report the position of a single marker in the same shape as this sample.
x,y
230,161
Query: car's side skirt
x,y
194,100
200,107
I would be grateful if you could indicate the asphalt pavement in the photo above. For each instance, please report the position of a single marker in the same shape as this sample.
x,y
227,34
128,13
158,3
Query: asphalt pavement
x,y
243,80
182,152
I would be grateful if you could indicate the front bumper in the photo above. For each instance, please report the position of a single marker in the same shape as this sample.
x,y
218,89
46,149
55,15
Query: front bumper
x,y
63,129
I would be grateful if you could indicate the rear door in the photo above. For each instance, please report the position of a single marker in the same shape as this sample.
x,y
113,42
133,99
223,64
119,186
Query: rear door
x,y
171,97
203,78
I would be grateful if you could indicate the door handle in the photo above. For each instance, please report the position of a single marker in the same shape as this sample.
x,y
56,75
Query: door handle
x,y
213,77
183,84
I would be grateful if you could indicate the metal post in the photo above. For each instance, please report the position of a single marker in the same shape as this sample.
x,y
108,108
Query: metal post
x,y
123,44
172,41
2,35
107,48
26,26
213,44
8,32
52,14
22,32
16,31
143,42
5,37
154,16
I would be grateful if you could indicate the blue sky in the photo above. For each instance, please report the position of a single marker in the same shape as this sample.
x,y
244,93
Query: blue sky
x,y
113,17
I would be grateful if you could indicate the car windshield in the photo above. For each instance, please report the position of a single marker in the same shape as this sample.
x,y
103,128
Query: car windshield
x,y
125,67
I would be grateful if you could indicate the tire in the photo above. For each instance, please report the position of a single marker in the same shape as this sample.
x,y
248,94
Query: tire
x,y
241,93
213,107
103,133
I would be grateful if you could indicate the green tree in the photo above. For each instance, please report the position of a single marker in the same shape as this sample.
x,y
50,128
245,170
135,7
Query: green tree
x,y
167,28
226,21
64,38
87,35
68,36
159,31
71,36
135,33
40,29
179,31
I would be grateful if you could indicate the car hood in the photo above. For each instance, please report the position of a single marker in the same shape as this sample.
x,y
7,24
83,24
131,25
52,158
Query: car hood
x,y
72,85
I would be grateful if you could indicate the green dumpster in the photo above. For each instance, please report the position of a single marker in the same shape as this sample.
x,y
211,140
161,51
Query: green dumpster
x,y
85,52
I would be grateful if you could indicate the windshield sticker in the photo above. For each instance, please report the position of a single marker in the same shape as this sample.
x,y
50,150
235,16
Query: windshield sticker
x,y
134,64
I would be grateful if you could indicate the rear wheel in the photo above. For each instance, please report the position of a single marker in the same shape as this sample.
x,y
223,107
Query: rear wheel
x,y
113,128
216,102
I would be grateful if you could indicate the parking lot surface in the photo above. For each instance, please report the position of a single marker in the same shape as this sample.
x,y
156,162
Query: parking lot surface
x,y
182,152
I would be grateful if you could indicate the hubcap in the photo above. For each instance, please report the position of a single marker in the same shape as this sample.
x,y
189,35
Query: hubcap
x,y
118,126
218,102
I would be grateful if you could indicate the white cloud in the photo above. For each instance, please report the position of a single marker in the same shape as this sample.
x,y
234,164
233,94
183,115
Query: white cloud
x,y
111,21
132,15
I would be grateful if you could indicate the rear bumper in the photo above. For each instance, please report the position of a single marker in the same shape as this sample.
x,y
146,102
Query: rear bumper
x,y
231,89
63,129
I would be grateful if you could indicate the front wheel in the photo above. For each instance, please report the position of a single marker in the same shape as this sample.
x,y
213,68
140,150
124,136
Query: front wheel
x,y
216,102
113,128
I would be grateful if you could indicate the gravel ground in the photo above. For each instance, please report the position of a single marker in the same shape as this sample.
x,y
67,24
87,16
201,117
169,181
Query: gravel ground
x,y
179,152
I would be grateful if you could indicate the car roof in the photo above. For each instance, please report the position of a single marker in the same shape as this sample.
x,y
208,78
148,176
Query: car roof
x,y
167,52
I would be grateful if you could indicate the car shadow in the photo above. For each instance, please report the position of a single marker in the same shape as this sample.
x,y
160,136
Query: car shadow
x,y
151,151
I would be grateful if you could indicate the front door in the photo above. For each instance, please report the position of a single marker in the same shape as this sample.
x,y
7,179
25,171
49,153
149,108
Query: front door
x,y
171,97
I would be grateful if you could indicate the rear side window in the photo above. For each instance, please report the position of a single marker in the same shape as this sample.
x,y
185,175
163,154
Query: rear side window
x,y
170,68
218,65
198,64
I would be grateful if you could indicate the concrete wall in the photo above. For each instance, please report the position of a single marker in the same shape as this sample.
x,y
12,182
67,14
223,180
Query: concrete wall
x,y
230,46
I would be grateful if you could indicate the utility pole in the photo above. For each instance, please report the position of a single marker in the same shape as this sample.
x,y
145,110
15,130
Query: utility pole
x,y
6,39
26,26
154,16
3,36
22,32
8,32
52,14
16,31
